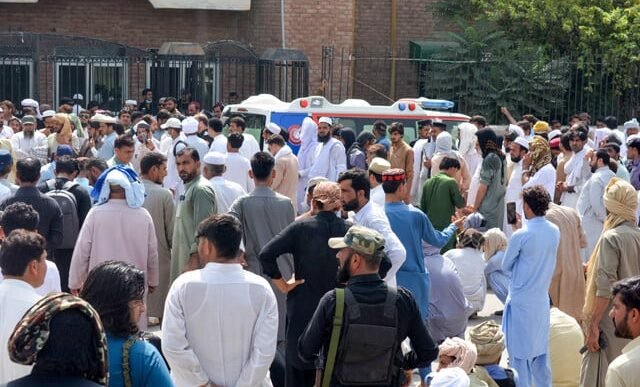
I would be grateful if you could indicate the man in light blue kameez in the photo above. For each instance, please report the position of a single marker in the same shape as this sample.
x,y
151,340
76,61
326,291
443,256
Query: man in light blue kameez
x,y
531,260
412,226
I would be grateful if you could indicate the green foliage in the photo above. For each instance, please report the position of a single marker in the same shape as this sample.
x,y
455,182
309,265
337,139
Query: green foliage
x,y
486,70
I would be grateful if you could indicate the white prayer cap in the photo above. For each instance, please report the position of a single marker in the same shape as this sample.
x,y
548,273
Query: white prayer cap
x,y
517,129
131,102
142,124
450,377
554,133
78,96
326,120
215,158
103,118
632,137
190,125
274,128
631,124
28,102
172,123
48,113
523,142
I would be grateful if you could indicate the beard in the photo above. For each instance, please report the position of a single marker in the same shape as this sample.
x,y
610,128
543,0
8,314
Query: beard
x,y
350,206
28,134
516,159
343,271
324,139
622,329
187,176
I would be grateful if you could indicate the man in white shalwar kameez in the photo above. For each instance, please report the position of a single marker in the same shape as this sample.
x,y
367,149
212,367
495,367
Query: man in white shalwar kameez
x,y
227,191
576,169
221,322
330,158
306,153
591,201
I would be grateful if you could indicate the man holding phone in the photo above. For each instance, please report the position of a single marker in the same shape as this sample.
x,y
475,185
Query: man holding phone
x,y
145,143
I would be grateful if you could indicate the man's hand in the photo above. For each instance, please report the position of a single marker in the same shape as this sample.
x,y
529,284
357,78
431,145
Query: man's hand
x,y
75,292
562,186
592,337
458,220
286,287
152,289
504,110
427,163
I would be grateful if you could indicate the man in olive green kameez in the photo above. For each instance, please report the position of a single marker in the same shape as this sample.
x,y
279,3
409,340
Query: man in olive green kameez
x,y
441,196
196,204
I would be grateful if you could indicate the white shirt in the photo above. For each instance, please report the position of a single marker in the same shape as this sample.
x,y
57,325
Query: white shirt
x,y
591,199
172,180
249,147
545,177
198,144
6,132
220,325
23,146
16,297
373,216
51,280
238,169
226,192
330,160
5,192
219,144
470,266
378,196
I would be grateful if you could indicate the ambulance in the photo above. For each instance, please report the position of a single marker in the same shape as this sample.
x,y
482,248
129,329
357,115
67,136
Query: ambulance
x,y
356,114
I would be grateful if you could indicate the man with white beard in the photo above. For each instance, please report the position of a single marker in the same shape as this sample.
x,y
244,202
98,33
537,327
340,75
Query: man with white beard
x,y
23,142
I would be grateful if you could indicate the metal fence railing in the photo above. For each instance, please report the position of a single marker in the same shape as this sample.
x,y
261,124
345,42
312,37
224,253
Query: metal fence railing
x,y
548,88
48,67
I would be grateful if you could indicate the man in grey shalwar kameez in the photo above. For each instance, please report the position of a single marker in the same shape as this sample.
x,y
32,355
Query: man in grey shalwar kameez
x,y
263,214
160,204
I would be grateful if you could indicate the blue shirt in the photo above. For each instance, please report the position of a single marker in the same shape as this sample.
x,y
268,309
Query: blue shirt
x,y
531,260
107,150
146,365
384,141
412,227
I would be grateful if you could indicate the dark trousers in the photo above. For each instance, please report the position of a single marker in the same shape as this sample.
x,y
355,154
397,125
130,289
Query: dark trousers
x,y
63,262
300,378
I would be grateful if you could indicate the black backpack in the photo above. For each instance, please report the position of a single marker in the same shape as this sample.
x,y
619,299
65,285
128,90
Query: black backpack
x,y
69,206
369,345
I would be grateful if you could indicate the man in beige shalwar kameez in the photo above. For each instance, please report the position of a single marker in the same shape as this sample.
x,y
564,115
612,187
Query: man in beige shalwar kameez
x,y
568,285
615,257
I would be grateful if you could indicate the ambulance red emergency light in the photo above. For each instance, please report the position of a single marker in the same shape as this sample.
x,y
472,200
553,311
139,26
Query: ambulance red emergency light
x,y
356,114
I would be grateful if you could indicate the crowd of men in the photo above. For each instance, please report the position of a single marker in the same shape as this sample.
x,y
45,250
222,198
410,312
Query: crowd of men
x,y
353,261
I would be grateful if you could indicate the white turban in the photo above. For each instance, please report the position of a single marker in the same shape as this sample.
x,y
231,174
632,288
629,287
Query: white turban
x,y
631,124
326,120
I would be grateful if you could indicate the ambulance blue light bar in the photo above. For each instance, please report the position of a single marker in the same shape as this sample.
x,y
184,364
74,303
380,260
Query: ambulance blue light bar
x,y
435,104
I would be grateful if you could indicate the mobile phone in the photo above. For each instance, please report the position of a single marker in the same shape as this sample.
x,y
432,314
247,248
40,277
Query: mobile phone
x,y
511,213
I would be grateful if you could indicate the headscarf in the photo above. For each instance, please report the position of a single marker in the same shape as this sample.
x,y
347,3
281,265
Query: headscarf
x,y
463,352
468,140
540,153
488,141
32,332
471,238
348,136
621,202
362,140
476,221
541,127
444,144
450,377
489,341
494,241
328,193
126,178
8,145
308,142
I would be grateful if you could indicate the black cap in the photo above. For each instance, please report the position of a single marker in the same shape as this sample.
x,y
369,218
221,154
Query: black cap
x,y
66,101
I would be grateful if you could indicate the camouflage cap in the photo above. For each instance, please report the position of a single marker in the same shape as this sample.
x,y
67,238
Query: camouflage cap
x,y
361,239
